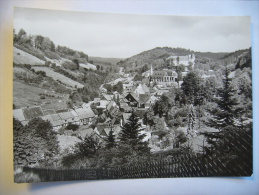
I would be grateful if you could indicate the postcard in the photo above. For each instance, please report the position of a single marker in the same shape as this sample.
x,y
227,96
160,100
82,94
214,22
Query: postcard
x,y
126,96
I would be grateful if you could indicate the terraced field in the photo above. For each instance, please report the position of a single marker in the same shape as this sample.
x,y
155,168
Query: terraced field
x,y
57,76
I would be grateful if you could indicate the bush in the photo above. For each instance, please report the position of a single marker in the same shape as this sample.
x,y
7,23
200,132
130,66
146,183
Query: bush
x,y
51,55
71,126
70,65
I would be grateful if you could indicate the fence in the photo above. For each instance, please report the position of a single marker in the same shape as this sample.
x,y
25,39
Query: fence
x,y
237,162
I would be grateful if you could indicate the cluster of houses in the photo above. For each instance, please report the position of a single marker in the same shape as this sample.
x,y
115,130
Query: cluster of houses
x,y
169,77
59,118
111,111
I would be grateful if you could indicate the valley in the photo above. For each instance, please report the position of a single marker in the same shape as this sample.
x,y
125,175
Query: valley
x,y
96,112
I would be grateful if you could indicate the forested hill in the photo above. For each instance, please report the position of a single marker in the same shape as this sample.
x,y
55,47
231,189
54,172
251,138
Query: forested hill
x,y
44,49
104,61
157,57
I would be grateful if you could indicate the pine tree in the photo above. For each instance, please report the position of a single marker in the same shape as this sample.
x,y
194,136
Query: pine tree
x,y
110,140
224,115
130,135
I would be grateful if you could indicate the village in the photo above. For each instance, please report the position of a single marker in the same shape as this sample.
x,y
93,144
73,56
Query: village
x,y
93,108
111,111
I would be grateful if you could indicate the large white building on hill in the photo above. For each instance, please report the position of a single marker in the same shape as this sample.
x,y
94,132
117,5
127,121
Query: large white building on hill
x,y
188,60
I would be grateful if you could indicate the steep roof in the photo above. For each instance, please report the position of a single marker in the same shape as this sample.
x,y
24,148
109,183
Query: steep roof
x,y
145,88
86,132
107,97
89,112
134,95
143,98
54,119
49,111
103,103
105,131
84,113
66,115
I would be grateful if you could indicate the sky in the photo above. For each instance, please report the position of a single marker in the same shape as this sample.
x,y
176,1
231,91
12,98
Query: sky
x,y
124,35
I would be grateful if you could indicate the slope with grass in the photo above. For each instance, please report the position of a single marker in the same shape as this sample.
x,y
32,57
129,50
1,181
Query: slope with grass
x,y
21,57
56,76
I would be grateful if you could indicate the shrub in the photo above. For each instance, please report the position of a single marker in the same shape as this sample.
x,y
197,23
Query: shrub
x,y
51,55
71,126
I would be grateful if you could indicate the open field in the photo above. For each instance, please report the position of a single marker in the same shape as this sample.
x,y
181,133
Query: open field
x,y
57,76
27,95
21,57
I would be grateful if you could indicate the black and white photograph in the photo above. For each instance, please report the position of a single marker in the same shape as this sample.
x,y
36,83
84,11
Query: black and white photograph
x,y
100,96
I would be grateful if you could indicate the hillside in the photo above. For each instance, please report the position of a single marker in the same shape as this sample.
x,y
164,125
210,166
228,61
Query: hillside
x,y
244,60
21,57
104,61
157,57
29,49
59,77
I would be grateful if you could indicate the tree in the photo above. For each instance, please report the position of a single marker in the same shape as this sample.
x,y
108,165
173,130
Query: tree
x,y
52,47
76,62
88,146
192,88
130,135
70,65
110,140
118,87
34,142
38,41
224,114
138,77
162,106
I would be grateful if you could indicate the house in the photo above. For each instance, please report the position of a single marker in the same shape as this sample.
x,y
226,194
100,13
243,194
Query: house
x,y
103,130
144,101
55,121
132,99
85,115
112,109
99,129
125,107
86,132
164,76
103,104
188,60
142,89
48,111
69,117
